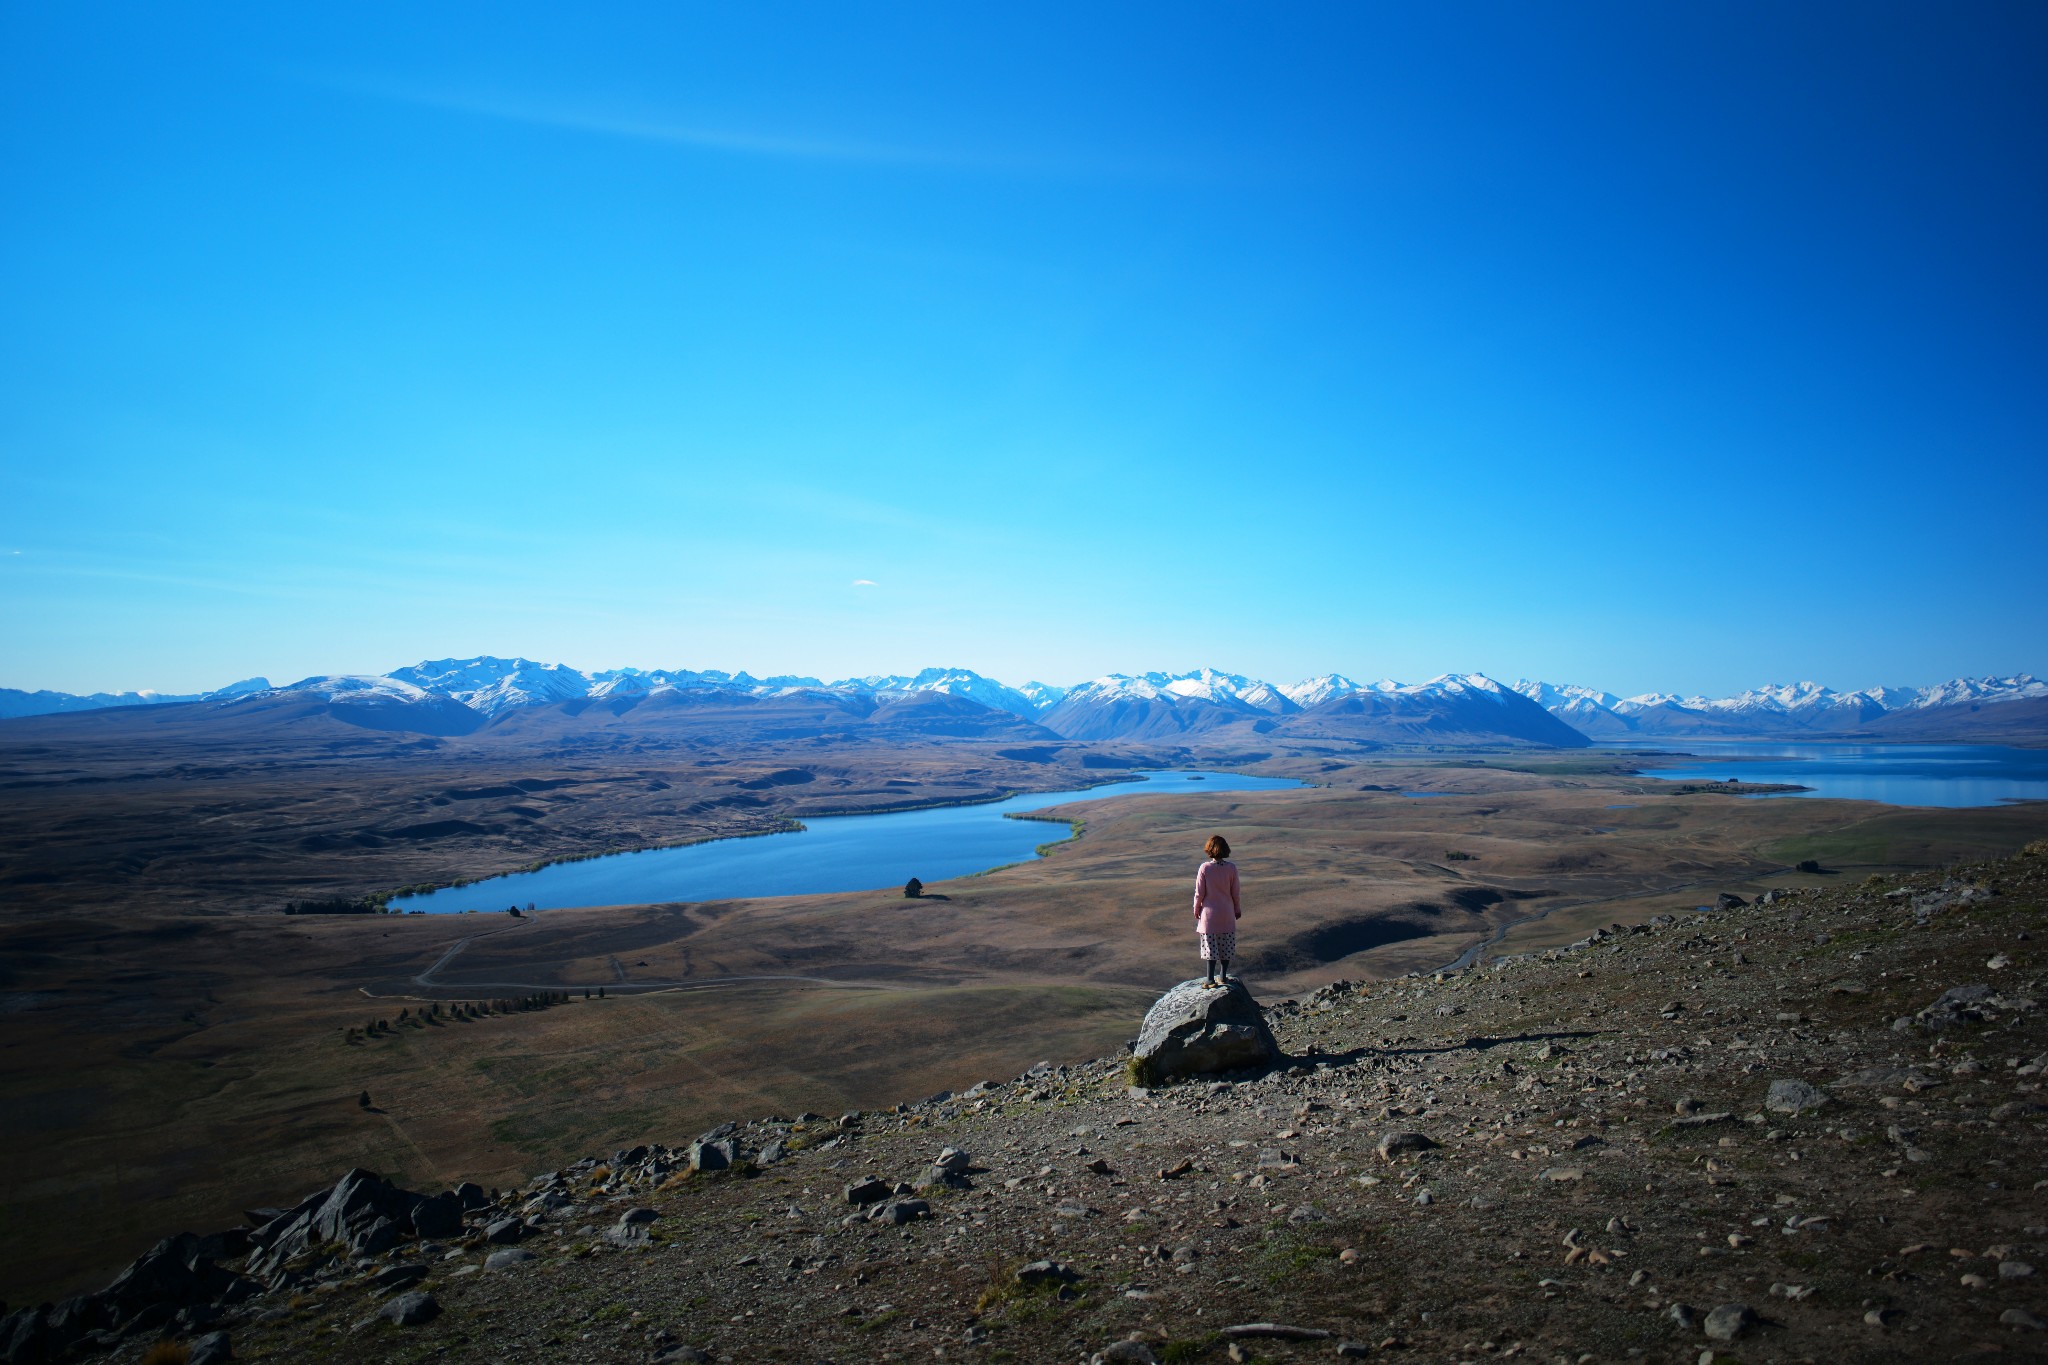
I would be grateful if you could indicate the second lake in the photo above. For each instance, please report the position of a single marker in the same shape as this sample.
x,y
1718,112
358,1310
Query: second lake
x,y
830,853
1896,774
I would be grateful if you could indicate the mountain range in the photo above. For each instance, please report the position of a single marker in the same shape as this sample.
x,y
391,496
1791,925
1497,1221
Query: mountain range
x,y
455,696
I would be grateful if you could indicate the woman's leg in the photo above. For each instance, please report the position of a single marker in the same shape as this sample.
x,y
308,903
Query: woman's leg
x,y
1226,971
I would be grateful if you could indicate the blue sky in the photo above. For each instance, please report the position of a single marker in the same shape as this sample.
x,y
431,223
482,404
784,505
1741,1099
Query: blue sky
x,y
1681,347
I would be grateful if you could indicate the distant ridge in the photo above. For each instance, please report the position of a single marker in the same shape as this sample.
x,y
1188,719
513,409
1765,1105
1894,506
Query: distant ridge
x,y
448,696
1805,708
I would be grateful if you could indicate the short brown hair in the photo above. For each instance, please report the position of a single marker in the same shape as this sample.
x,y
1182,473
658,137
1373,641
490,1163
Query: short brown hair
x,y
1217,847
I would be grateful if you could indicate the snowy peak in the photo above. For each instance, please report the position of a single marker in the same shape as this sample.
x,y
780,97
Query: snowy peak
x,y
490,685
954,682
358,689
1776,708
1316,691
1568,700
1960,691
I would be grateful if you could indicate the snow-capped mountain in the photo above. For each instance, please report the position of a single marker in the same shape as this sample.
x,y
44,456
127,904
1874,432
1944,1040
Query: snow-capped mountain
x,y
1316,691
14,702
957,682
487,690
1774,709
492,685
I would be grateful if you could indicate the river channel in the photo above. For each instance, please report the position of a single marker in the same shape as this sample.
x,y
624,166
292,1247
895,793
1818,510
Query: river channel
x,y
830,853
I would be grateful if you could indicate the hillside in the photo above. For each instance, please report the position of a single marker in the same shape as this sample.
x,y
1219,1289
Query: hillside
x,y
1810,1127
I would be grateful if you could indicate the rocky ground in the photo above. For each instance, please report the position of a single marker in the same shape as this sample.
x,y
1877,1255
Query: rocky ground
x,y
1805,1129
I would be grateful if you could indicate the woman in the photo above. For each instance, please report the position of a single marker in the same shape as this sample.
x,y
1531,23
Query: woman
x,y
1218,907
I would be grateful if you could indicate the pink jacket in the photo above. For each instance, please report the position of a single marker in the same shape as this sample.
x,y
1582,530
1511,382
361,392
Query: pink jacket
x,y
1218,903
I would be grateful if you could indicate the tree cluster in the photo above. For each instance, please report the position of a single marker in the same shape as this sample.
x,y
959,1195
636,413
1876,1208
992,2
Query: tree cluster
x,y
336,905
457,1010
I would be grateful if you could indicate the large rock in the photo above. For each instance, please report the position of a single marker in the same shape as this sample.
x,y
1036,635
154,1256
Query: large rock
x,y
347,1213
715,1154
1192,1030
438,1216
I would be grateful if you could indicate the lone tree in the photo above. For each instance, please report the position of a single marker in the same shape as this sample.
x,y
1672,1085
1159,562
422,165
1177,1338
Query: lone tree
x,y
364,1099
912,889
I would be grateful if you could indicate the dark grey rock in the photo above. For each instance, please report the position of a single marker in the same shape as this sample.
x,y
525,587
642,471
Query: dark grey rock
x,y
1957,1005
1046,1272
1794,1097
438,1216
897,1212
869,1191
1730,1322
211,1349
505,1231
24,1335
716,1154
778,1150
1392,1145
410,1310
472,1197
1125,1353
1192,1030
1274,1331
374,1240
393,1277
509,1257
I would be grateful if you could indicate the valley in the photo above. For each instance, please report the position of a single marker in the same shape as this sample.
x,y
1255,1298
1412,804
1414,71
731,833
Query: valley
x,y
176,1048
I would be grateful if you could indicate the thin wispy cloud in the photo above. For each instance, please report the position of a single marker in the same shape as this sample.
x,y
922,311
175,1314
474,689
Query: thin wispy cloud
x,y
593,117
573,117
863,582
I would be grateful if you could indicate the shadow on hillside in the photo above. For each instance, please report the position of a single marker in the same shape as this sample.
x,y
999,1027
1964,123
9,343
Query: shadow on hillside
x,y
1351,1056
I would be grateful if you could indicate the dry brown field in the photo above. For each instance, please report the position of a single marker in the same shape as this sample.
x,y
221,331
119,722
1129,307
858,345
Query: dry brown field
x,y
162,1069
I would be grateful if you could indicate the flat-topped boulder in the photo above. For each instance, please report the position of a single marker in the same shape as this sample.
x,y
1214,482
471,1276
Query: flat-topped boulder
x,y
1193,1030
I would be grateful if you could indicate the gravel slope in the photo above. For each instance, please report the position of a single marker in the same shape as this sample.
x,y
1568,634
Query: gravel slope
x,y
1603,1167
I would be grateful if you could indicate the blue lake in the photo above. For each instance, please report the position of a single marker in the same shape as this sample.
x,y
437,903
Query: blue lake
x,y
830,853
1951,775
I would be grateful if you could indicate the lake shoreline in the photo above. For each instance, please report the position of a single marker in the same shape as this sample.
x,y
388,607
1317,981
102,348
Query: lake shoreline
x,y
1136,779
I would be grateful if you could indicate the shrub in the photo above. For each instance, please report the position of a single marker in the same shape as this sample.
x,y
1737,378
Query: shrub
x,y
167,1352
1143,1072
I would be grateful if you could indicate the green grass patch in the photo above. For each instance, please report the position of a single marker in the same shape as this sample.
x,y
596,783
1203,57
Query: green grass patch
x,y
1287,1255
